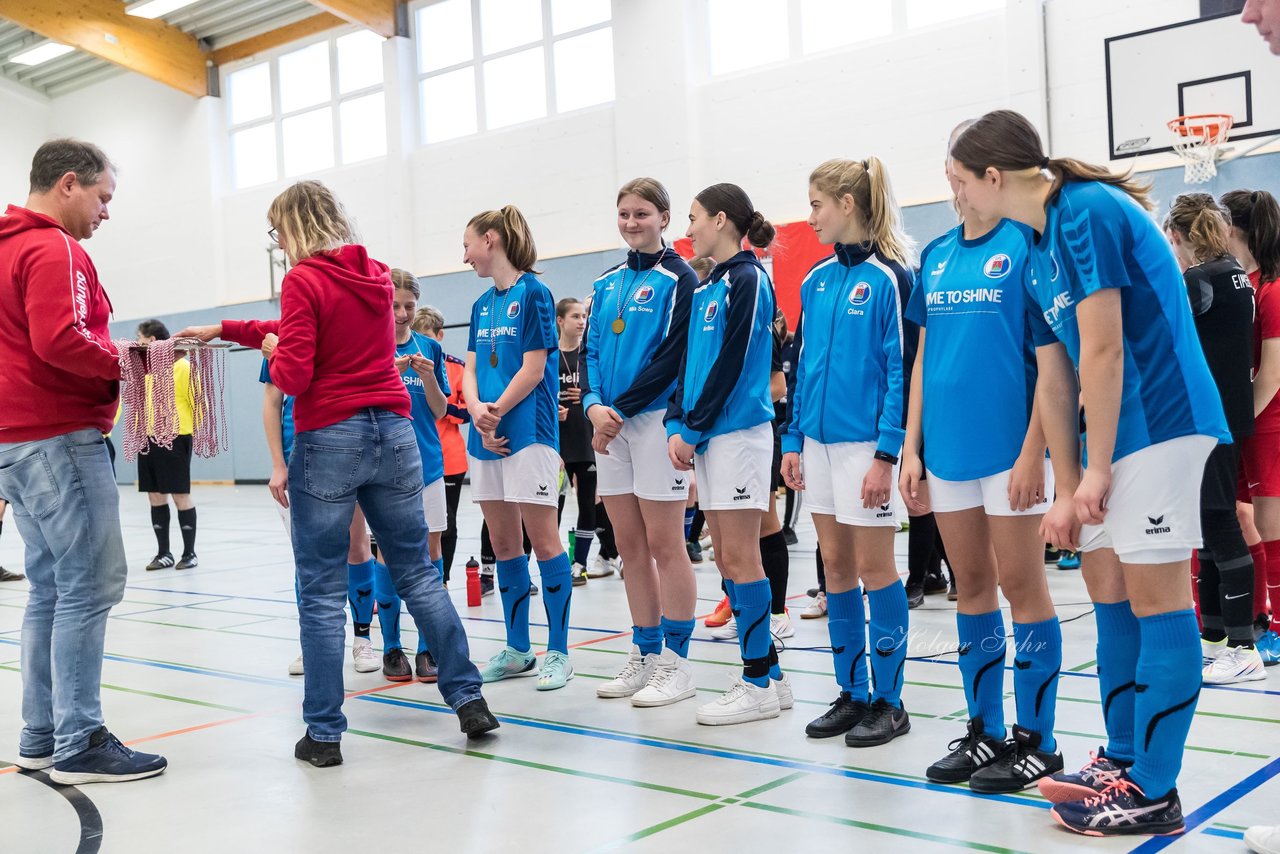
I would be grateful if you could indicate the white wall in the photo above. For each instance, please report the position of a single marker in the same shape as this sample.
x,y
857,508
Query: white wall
x,y
179,239
26,125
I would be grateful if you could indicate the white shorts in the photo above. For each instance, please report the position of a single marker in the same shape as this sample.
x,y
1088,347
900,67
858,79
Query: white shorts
x,y
433,506
733,473
529,476
833,483
1153,513
638,463
991,493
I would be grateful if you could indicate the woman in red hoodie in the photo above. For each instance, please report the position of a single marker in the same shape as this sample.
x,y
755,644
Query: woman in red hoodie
x,y
336,355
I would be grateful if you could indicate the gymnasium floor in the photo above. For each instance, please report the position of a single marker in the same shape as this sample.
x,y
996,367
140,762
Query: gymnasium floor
x,y
196,670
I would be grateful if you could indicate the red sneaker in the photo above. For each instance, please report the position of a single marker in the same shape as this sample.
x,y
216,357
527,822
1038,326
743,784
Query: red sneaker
x,y
721,615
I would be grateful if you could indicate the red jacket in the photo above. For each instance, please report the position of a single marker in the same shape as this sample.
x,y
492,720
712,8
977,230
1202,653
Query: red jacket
x,y
337,346
59,370
451,441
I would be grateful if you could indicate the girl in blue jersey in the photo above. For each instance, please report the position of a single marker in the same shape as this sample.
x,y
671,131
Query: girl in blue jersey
x,y
636,339
973,408
511,387
1113,306
719,425
844,433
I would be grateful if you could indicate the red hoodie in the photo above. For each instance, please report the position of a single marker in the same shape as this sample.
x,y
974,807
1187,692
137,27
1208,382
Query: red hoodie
x,y
59,371
337,346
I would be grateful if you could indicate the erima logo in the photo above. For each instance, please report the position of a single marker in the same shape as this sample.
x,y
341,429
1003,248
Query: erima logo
x,y
679,486
822,286
836,650
542,489
554,588
997,266
965,648
513,310
710,314
885,653
940,269
1022,665
1157,525
643,295
860,294
884,512
742,494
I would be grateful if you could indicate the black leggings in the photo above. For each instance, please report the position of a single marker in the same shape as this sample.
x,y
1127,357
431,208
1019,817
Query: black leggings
x,y
925,552
449,539
604,534
583,478
486,546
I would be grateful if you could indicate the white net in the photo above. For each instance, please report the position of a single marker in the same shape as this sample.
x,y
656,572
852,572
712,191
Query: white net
x,y
1196,139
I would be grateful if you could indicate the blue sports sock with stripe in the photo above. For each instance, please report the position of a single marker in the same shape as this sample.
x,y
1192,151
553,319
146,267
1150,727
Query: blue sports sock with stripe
x,y
1037,659
888,641
689,513
647,638
1166,689
384,590
754,639
1119,640
982,647
676,633
557,590
847,626
360,596
513,586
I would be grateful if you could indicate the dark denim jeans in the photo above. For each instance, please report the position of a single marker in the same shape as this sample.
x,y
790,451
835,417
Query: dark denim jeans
x,y
373,457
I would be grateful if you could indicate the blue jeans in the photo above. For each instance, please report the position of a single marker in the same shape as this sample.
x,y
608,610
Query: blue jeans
x,y
373,457
67,507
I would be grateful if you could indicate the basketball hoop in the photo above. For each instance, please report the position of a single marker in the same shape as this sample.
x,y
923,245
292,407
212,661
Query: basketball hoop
x,y
1196,140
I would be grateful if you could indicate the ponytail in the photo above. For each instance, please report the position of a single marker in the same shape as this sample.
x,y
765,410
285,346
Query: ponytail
x,y
867,181
1257,214
514,235
1198,220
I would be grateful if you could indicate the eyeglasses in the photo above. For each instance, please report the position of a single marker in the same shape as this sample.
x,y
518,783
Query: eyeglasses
x,y
275,237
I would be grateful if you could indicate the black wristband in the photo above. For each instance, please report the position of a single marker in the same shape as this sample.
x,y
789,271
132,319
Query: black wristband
x,y
886,457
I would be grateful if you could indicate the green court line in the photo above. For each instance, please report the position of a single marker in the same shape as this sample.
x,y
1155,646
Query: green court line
x,y
658,828
1080,667
768,787
1229,826
158,696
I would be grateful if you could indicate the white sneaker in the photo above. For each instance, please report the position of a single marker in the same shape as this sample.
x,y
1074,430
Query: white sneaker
x,y
742,703
600,567
1235,664
816,609
1209,650
671,682
782,686
363,655
1263,839
635,675
780,625
295,668
729,631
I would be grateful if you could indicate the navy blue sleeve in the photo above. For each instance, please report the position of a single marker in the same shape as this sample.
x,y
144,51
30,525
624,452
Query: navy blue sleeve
x,y
669,358
726,371
264,376
792,438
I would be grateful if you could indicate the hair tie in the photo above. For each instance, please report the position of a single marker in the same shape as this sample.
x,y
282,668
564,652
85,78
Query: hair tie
x,y
1044,163
1253,197
865,166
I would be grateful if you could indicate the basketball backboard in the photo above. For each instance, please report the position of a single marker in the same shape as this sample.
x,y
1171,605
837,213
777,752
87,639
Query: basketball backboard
x,y
1209,65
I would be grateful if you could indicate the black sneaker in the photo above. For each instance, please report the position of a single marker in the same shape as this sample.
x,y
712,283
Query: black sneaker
x,y
162,561
486,584
915,595
1098,773
6,575
424,667
395,667
475,719
844,715
1051,555
969,754
881,725
106,760
322,754
695,551
1019,766
934,584
789,536
1122,809
188,562
579,575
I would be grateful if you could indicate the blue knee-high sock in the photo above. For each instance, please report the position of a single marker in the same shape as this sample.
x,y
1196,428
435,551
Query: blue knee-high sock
x,y
1118,644
676,633
647,638
982,645
847,626
360,596
888,641
557,590
1167,687
438,563
513,586
754,639
1037,659
384,590
689,513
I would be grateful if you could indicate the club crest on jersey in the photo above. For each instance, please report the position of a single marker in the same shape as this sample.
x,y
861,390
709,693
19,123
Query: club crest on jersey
x,y
997,266
643,295
513,311
710,314
860,294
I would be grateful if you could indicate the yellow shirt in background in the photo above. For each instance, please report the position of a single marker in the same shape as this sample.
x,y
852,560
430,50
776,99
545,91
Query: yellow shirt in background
x,y
182,394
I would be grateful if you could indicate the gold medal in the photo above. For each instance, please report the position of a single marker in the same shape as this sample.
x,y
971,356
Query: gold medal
x,y
618,325
493,359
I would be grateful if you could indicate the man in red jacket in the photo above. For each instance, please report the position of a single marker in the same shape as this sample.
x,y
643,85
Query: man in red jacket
x,y
60,385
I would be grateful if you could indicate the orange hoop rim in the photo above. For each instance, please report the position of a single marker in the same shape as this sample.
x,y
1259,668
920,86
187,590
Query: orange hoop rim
x,y
1210,126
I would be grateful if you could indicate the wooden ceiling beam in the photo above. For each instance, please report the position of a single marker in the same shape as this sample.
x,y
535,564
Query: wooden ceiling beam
x,y
275,38
381,16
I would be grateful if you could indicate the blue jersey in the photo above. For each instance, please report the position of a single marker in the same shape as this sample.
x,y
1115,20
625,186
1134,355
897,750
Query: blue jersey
x,y
979,359
506,325
635,370
424,423
1097,237
286,412
724,381
849,384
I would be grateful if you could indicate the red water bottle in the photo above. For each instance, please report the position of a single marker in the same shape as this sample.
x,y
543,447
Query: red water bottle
x,y
473,583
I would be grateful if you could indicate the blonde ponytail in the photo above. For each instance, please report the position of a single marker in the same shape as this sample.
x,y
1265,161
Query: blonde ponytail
x,y
514,235
867,181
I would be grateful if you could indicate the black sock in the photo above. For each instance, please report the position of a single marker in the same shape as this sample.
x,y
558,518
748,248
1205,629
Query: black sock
x,y
822,571
361,629
160,524
1225,564
699,522
777,568
187,525
921,548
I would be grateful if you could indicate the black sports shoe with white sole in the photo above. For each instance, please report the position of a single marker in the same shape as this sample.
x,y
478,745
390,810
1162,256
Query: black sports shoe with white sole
x,y
968,754
1020,765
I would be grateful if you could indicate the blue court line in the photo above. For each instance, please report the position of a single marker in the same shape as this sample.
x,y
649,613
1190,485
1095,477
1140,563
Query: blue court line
x,y
1229,834
721,753
1215,806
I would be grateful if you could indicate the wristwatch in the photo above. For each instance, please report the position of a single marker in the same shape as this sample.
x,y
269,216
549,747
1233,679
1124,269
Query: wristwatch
x,y
886,457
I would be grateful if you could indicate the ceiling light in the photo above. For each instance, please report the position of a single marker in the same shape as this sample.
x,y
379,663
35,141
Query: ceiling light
x,y
41,53
157,8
